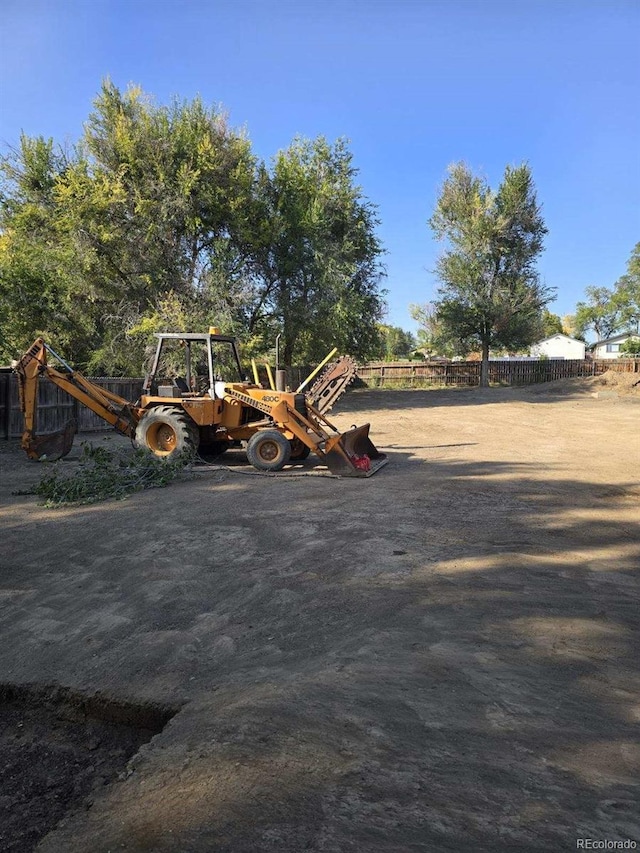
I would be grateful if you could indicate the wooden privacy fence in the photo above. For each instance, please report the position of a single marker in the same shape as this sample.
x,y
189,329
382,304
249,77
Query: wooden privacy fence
x,y
55,407
467,373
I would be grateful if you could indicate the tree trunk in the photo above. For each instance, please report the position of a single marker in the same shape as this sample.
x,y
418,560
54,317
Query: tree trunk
x,y
484,367
287,351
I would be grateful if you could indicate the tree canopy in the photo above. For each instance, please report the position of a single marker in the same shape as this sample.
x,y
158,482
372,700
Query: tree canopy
x,y
490,292
320,259
628,293
611,310
396,342
163,218
551,324
600,313
433,338
631,347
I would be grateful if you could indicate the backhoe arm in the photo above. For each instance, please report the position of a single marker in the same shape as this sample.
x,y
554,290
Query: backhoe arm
x,y
117,411
28,371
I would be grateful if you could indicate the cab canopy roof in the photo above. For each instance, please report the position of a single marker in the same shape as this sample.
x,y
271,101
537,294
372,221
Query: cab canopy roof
x,y
195,336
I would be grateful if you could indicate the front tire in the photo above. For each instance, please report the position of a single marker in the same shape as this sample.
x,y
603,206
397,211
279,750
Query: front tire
x,y
166,432
268,450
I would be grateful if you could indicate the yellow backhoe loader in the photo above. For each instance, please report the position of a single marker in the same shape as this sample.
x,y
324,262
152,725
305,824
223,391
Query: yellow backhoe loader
x,y
190,401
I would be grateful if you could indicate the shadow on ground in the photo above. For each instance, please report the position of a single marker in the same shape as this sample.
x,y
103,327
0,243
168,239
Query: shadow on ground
x,y
447,661
370,399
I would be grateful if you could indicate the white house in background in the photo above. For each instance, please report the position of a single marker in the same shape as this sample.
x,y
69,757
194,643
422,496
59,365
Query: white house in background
x,y
610,347
558,346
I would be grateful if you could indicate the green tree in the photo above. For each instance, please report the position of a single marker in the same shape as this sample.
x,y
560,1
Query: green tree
x,y
397,343
631,347
153,203
162,215
160,202
490,292
41,285
627,292
319,256
551,324
433,338
607,311
601,313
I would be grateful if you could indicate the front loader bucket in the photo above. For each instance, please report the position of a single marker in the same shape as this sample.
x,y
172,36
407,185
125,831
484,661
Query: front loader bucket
x,y
55,445
354,447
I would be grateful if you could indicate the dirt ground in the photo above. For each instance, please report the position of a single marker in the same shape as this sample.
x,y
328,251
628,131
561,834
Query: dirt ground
x,y
442,657
56,751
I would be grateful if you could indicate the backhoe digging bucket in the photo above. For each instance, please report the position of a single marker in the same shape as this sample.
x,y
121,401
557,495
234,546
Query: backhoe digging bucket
x,y
49,448
355,455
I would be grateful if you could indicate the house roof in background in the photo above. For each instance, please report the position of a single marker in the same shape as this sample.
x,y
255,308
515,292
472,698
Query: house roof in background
x,y
558,335
621,337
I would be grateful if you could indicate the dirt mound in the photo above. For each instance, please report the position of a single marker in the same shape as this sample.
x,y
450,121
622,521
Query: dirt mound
x,y
612,382
624,383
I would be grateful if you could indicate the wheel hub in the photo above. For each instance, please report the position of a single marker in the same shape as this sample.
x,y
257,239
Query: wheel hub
x,y
268,451
163,439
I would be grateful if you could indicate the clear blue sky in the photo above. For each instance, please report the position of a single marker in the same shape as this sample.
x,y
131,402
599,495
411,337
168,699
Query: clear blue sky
x,y
413,84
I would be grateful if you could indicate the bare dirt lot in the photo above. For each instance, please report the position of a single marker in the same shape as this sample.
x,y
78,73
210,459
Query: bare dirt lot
x,y
443,657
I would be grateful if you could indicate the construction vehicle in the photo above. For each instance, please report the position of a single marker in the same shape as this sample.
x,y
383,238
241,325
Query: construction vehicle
x,y
189,402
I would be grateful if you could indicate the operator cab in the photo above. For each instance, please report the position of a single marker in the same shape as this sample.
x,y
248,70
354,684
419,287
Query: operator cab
x,y
193,365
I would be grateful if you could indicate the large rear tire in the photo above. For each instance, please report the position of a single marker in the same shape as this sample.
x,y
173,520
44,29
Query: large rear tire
x,y
167,432
268,450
